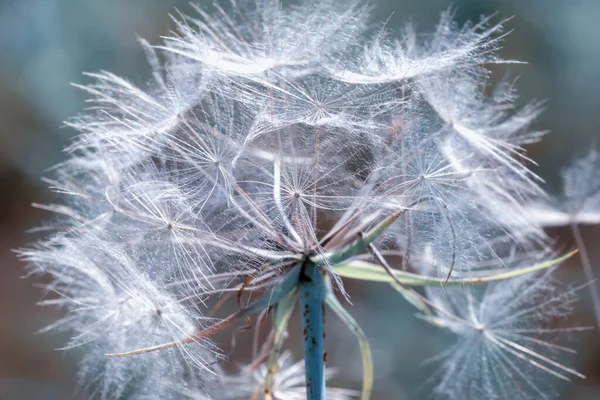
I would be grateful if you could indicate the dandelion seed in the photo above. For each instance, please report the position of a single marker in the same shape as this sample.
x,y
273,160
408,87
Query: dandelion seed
x,y
292,42
503,338
578,205
289,382
112,303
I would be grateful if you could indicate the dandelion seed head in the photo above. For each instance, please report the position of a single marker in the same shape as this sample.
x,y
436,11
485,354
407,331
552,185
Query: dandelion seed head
x,y
268,139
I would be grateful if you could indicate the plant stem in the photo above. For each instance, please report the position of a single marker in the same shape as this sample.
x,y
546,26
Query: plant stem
x,y
313,292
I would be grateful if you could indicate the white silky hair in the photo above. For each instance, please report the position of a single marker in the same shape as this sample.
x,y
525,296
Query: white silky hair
x,y
259,127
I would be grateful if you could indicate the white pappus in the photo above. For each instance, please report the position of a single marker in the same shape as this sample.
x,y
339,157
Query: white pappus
x,y
274,153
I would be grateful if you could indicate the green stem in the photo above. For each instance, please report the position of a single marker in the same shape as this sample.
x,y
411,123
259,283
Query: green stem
x,y
313,291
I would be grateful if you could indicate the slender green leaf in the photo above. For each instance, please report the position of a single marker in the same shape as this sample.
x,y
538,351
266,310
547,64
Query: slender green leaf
x,y
367,359
412,297
359,245
273,295
371,272
283,311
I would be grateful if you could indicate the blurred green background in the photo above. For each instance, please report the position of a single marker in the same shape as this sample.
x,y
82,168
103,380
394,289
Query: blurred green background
x,y
46,44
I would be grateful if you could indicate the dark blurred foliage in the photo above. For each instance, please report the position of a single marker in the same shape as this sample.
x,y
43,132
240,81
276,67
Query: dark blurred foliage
x,y
45,44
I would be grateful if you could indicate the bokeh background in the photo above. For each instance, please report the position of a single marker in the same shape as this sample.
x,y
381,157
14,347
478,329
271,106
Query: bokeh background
x,y
45,44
